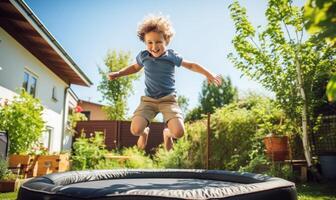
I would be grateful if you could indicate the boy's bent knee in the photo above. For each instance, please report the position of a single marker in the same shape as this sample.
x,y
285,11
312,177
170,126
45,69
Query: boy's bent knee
x,y
177,132
136,131
138,125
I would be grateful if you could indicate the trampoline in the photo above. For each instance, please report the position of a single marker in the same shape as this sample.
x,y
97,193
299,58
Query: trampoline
x,y
157,184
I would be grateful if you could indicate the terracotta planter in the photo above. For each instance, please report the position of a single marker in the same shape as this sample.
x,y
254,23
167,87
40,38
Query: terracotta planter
x,y
25,165
276,147
52,163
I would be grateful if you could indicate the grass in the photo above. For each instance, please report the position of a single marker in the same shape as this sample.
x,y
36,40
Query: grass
x,y
317,191
8,196
307,191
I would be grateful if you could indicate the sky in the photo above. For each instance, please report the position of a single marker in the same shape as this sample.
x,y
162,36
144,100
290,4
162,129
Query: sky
x,y
88,29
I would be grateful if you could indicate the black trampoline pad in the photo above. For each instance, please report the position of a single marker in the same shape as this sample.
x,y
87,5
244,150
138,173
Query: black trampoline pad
x,y
157,184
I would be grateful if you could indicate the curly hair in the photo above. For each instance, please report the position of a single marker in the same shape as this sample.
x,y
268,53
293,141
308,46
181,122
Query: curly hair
x,y
158,24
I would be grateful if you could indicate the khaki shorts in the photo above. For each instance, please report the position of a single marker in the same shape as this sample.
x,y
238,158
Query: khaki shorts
x,y
150,107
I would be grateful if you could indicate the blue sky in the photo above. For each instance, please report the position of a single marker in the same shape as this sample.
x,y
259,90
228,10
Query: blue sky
x,y
87,29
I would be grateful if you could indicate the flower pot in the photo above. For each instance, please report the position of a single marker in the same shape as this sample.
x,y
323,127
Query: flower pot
x,y
276,147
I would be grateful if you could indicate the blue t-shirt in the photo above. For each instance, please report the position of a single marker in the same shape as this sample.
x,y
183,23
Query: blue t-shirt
x,y
159,72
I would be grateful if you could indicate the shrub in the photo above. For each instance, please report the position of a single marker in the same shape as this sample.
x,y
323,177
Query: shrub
x,y
88,152
137,159
237,132
3,168
188,152
22,118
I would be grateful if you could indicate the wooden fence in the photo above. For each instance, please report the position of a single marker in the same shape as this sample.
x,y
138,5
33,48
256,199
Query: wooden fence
x,y
118,135
324,136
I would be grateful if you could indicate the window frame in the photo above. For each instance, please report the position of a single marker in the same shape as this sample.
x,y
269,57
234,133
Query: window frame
x,y
31,77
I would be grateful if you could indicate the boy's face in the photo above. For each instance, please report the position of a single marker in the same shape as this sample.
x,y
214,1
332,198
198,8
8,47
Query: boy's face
x,y
155,43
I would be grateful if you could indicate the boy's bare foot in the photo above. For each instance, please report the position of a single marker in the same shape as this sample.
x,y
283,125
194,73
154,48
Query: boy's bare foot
x,y
167,140
142,141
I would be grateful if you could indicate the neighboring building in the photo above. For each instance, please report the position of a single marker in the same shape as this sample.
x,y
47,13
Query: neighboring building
x,y
93,111
31,58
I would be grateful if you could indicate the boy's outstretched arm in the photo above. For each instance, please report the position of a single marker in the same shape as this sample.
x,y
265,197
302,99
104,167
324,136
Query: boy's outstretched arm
x,y
124,72
212,78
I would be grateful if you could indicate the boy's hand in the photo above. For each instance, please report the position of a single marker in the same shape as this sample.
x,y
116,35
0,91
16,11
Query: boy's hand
x,y
215,79
113,75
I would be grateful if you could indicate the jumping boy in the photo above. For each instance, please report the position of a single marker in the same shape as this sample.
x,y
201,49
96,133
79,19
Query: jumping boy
x,y
160,93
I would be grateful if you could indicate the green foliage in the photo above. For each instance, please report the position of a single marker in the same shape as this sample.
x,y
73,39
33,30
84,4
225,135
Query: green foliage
x,y
5,173
183,102
22,118
212,97
237,132
137,159
73,119
233,130
88,152
115,92
188,152
194,114
180,157
3,168
281,60
320,18
271,56
280,170
331,89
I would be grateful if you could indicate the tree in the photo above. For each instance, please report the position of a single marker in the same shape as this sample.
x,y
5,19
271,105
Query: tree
x,y
183,103
115,92
320,18
281,60
212,97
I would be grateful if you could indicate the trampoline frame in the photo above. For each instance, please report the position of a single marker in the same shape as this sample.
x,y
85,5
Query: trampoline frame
x,y
256,186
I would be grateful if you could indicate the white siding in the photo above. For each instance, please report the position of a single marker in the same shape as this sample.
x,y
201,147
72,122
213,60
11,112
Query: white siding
x,y
14,60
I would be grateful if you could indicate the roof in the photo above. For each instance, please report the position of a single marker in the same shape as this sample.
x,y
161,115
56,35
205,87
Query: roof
x,y
90,102
23,25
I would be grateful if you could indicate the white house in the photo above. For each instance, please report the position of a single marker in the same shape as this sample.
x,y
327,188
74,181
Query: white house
x,y
30,57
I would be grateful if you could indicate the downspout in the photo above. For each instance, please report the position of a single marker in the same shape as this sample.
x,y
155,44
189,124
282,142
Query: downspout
x,y
65,104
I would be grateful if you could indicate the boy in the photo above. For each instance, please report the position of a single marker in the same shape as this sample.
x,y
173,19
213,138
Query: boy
x,y
159,65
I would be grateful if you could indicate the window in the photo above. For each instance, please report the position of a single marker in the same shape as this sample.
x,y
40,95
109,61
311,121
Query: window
x,y
46,137
54,94
87,114
29,83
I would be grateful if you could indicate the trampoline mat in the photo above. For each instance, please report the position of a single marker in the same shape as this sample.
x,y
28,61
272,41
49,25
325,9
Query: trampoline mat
x,y
145,186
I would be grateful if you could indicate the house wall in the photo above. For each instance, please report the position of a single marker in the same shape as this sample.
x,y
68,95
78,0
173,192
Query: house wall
x,y
14,60
71,100
96,112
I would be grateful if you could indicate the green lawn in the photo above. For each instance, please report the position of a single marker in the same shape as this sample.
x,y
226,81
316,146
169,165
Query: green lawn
x,y
309,191
317,191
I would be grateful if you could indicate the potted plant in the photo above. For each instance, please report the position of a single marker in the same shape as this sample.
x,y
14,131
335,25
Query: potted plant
x,y
276,130
8,180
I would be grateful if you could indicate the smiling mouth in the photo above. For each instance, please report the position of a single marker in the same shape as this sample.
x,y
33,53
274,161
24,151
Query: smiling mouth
x,y
156,51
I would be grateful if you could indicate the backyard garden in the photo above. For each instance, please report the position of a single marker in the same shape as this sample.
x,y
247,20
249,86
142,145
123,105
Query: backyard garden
x,y
225,131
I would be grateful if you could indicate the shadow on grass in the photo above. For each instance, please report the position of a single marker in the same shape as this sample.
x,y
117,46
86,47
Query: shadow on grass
x,y
316,191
